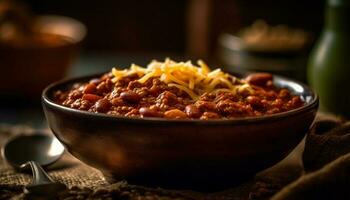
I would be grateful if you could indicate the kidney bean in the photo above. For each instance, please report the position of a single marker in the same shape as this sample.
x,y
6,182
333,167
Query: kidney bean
x,y
209,115
102,105
91,97
205,105
259,79
148,112
95,81
175,114
117,101
130,96
168,98
192,111
89,89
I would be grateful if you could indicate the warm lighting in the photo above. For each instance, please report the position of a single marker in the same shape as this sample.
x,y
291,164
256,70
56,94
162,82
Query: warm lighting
x,y
56,148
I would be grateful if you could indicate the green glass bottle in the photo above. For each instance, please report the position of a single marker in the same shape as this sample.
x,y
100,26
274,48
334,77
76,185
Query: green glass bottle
x,y
329,64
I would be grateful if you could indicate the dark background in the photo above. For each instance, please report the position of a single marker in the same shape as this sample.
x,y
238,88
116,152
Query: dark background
x,y
162,26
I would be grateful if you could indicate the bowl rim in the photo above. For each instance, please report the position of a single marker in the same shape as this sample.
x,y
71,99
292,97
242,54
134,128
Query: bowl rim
x,y
233,42
78,28
47,101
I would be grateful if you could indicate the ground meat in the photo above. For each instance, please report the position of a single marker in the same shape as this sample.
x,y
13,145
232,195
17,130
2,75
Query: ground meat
x,y
154,98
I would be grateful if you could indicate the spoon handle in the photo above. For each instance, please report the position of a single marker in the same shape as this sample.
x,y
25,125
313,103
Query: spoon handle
x,y
42,184
40,177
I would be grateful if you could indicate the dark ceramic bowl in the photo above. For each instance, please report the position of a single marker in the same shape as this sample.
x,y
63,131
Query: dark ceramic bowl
x,y
195,154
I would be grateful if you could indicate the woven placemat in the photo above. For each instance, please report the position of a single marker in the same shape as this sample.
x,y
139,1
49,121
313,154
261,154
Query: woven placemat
x,y
85,182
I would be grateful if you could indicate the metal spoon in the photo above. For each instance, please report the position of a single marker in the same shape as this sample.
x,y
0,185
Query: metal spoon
x,y
35,150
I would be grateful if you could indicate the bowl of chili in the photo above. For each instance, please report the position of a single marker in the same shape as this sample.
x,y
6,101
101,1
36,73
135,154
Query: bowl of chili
x,y
167,138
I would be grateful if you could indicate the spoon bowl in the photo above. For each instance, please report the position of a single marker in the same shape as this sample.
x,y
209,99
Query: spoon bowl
x,y
40,148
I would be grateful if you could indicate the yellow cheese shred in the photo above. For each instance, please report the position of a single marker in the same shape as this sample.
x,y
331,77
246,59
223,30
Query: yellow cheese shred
x,y
186,77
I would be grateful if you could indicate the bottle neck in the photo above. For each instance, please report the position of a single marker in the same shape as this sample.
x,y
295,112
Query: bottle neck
x,y
338,15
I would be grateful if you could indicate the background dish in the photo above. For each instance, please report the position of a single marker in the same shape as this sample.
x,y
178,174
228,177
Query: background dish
x,y
234,53
26,70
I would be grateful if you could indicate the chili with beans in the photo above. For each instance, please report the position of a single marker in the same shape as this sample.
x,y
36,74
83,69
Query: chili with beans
x,y
154,98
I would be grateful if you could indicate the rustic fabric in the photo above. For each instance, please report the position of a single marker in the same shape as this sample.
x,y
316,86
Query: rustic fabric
x,y
326,160
326,173
330,182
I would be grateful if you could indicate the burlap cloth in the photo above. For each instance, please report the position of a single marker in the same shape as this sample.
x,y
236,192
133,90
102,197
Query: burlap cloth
x,y
321,170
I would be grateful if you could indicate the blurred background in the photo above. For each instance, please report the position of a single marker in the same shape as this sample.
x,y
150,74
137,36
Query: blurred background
x,y
182,27
238,35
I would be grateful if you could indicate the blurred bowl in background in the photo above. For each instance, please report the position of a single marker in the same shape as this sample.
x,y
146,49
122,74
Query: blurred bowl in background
x,y
238,55
27,67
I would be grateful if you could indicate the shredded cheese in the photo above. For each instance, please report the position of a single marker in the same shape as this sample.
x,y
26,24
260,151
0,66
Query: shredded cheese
x,y
186,77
